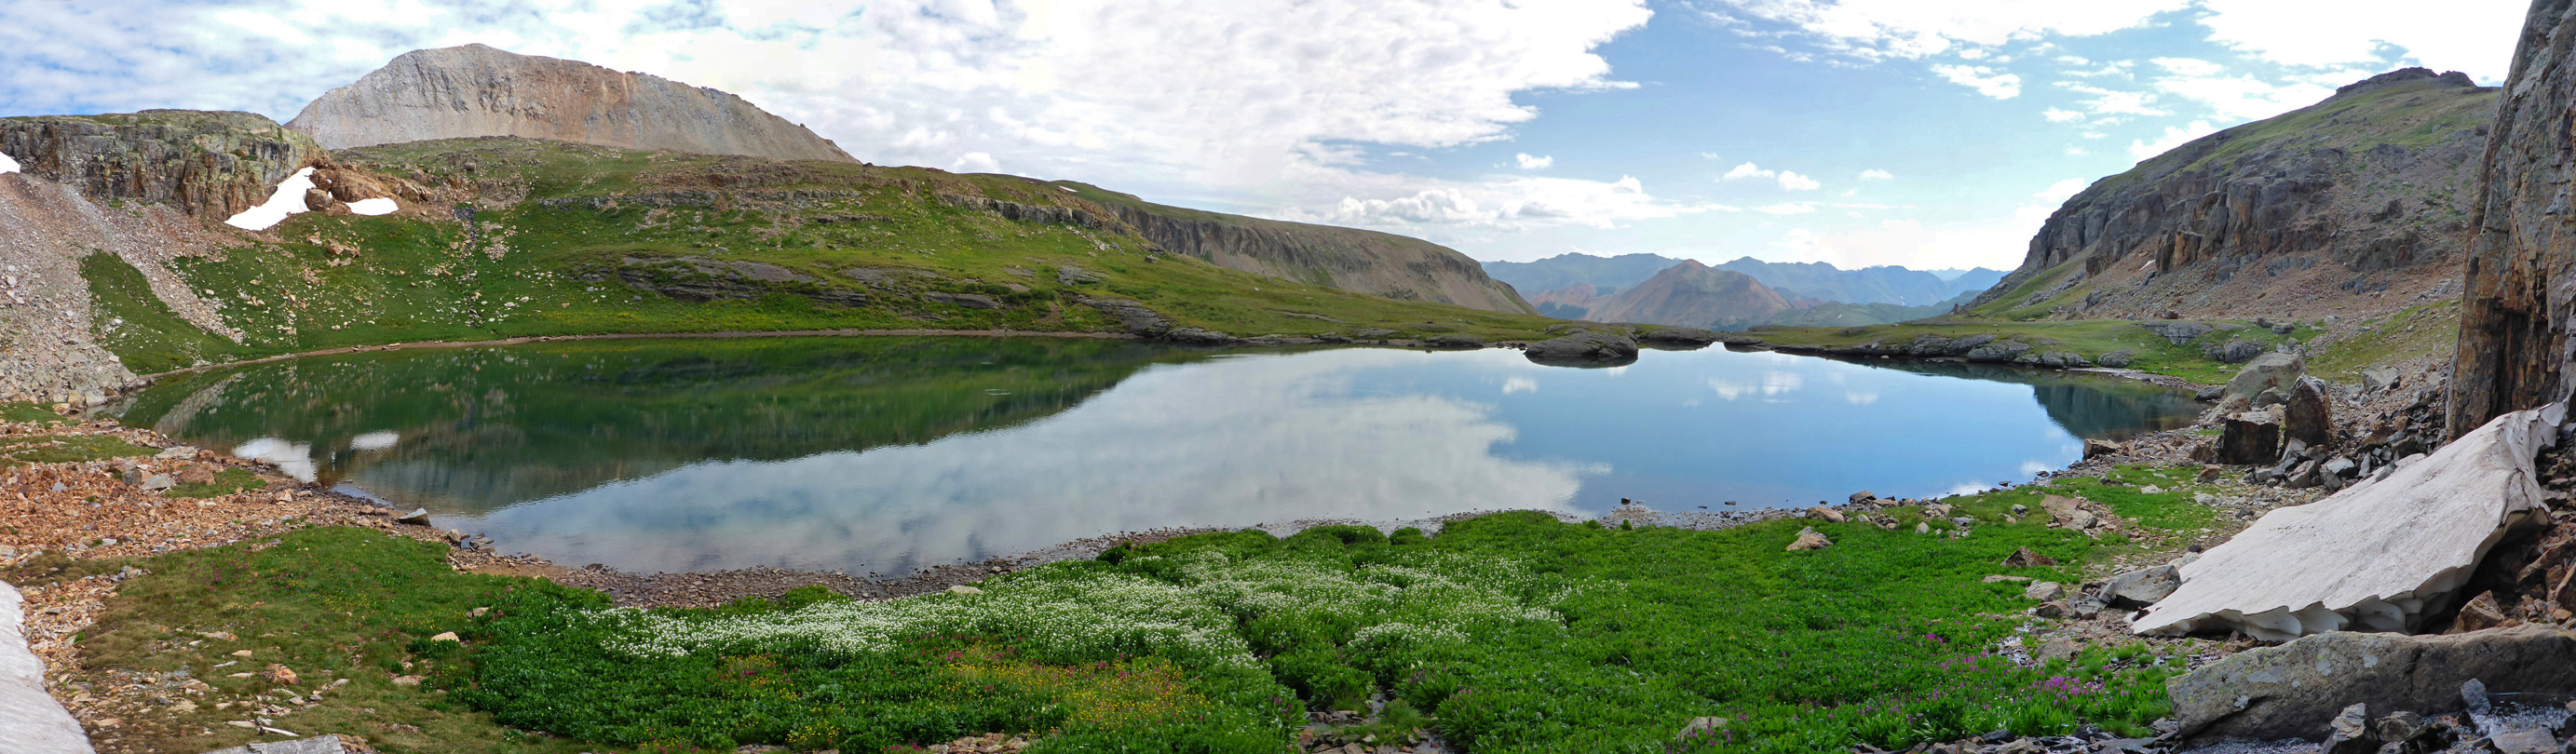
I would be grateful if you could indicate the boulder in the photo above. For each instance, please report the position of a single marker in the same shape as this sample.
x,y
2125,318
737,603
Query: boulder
x,y
2233,352
2118,359
2045,591
2376,379
417,517
1863,496
2098,448
2295,690
2142,587
1808,539
2024,558
2306,413
2264,372
2250,438
1827,514
1585,348
1678,337
2068,512
2379,555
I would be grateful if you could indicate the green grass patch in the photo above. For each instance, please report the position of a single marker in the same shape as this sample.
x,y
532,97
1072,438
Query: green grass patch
x,y
69,448
2411,333
327,603
24,412
1509,633
226,482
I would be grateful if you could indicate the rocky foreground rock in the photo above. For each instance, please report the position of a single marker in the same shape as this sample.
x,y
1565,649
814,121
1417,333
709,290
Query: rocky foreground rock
x,y
2295,690
475,90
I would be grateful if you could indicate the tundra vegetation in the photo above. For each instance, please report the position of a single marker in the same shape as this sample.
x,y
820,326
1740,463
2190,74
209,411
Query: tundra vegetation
x,y
1510,632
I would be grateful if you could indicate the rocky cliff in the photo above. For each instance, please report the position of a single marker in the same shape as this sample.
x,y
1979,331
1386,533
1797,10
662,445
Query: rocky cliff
x,y
1382,264
2354,205
474,90
49,349
1691,294
2521,267
208,164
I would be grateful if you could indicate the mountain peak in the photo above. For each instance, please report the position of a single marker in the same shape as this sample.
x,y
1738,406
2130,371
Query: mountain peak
x,y
478,90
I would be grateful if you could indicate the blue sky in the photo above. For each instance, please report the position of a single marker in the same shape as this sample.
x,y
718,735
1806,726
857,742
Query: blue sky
x,y
1929,133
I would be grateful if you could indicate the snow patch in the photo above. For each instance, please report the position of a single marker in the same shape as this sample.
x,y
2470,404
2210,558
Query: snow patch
x,y
378,206
375,440
8,165
287,200
295,459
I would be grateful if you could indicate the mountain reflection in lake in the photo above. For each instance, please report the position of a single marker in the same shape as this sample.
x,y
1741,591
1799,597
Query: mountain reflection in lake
x,y
888,454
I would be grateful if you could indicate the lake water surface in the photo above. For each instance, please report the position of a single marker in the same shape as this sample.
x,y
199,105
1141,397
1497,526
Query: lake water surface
x,y
887,454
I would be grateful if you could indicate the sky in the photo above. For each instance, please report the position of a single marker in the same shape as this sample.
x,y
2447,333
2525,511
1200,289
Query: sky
x,y
1924,133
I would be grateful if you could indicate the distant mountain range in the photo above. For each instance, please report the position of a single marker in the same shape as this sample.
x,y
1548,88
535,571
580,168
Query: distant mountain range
x,y
1654,289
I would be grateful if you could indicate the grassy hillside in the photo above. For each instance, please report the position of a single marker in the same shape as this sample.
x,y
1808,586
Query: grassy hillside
x,y
533,238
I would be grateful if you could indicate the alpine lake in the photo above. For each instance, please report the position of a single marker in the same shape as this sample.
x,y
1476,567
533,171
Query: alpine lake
x,y
890,454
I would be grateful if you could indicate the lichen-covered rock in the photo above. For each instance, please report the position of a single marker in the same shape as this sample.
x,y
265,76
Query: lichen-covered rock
x,y
475,90
2296,689
209,164
2307,415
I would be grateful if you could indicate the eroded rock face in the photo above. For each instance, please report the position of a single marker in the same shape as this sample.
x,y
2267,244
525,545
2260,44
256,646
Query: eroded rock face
x,y
208,164
2521,272
475,90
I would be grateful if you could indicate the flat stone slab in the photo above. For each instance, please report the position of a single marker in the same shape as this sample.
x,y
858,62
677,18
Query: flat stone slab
x,y
2377,556
31,721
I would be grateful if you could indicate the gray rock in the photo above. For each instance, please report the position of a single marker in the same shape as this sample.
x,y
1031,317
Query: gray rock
x,y
1454,340
2265,372
1071,275
158,482
1198,336
2376,379
2118,359
2291,690
2342,468
1584,349
417,517
1678,337
2351,732
1135,317
1373,333
2233,352
2045,591
2270,398
2307,413
968,300
2140,588
2524,741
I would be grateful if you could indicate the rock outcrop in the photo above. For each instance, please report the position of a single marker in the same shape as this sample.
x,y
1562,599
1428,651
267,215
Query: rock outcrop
x,y
475,90
1366,261
2296,689
207,164
1691,294
2342,205
2521,271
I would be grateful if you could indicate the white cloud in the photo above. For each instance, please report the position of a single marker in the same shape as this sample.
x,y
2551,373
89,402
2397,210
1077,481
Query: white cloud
x,y
2113,102
975,162
2174,136
1533,163
1878,29
1749,170
1875,174
2189,66
1708,155
1795,182
2055,115
1983,79
1519,385
1787,208
2242,97
2476,36
1509,204
2059,192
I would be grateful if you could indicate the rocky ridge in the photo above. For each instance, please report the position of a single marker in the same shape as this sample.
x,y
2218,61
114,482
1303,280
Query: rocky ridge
x,y
207,164
2350,206
476,90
